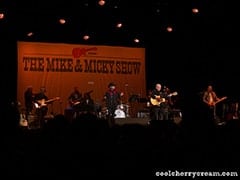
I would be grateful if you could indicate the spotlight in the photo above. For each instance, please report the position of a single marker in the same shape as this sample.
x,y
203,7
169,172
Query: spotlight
x,y
195,10
101,2
136,40
169,29
119,25
62,21
86,37
30,34
1,15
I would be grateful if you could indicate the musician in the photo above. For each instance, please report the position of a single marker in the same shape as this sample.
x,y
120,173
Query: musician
x,y
87,104
41,107
167,92
112,98
210,98
28,100
75,99
160,105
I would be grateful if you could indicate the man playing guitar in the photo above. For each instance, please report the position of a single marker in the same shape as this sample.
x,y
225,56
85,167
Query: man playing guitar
x,y
211,99
75,97
75,101
41,110
159,101
41,101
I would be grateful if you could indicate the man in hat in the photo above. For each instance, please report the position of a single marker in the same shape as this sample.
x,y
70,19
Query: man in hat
x,y
112,98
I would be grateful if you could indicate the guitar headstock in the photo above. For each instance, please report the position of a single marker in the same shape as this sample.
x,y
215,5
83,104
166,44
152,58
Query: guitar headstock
x,y
225,97
173,94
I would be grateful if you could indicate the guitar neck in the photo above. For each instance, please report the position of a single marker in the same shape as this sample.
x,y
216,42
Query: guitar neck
x,y
43,101
48,101
213,104
51,100
221,99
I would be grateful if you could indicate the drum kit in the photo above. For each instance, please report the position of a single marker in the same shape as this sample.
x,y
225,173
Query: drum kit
x,y
122,111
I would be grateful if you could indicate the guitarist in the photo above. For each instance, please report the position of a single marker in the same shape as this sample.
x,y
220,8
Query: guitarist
x,y
160,111
43,109
75,101
210,98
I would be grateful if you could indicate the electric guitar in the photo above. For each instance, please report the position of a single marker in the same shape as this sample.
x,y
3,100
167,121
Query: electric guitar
x,y
79,100
212,104
43,102
158,100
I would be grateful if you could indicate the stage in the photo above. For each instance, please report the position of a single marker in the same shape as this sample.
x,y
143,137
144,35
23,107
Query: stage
x,y
141,121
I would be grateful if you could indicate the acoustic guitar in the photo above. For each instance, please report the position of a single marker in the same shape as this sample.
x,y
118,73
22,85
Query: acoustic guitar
x,y
23,121
158,100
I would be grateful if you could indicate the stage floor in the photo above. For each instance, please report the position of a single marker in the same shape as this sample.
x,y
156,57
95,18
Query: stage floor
x,y
129,120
